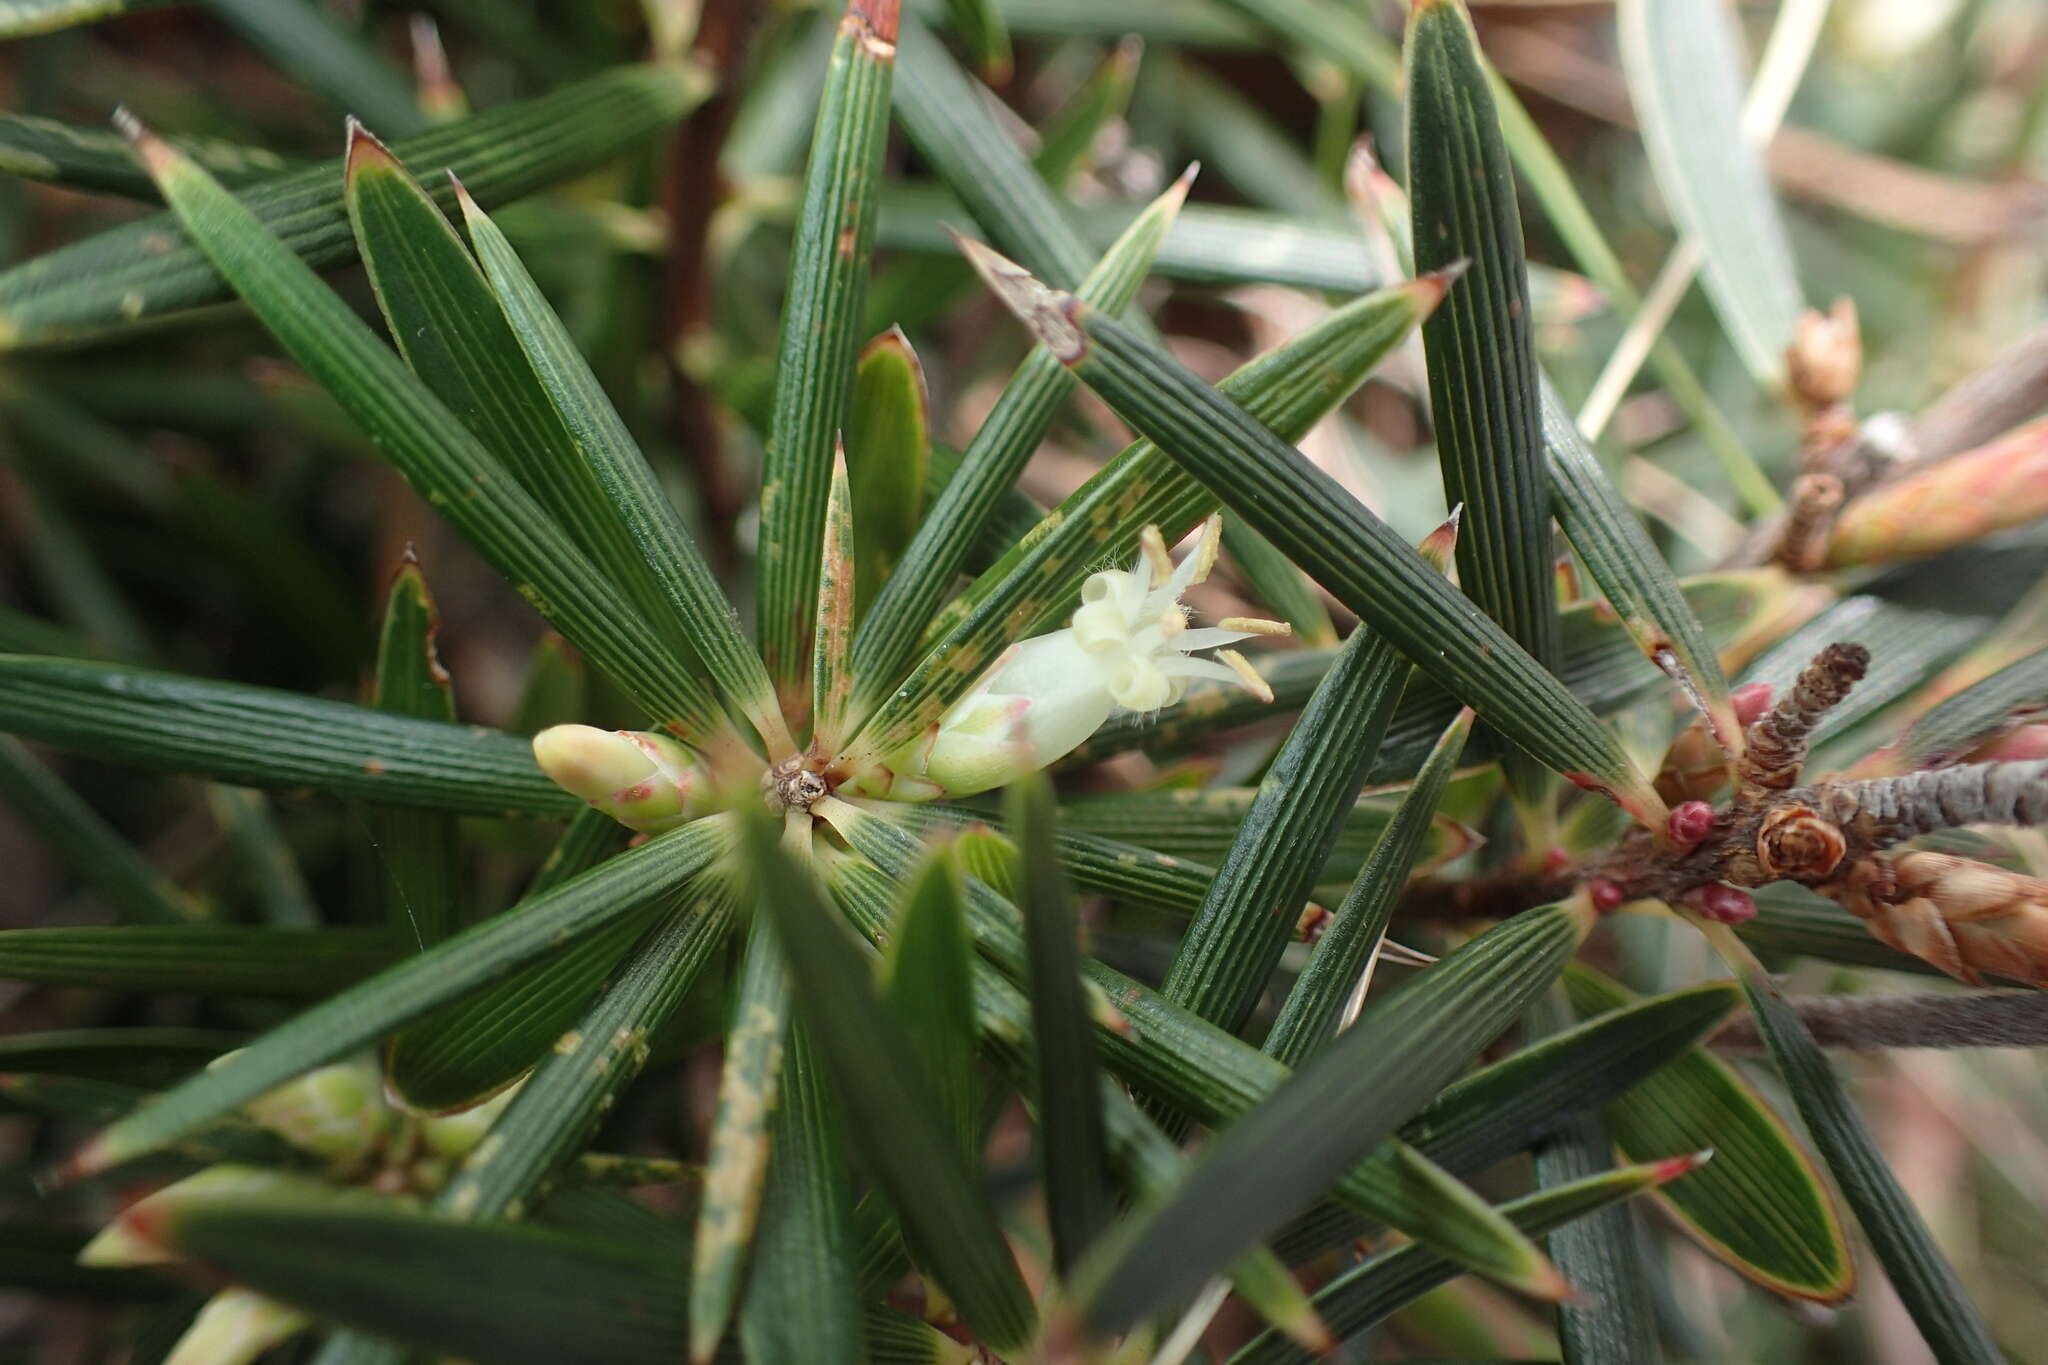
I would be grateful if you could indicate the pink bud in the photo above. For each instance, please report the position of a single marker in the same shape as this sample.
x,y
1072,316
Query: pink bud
x,y
1606,894
1690,823
1721,903
1555,862
1750,701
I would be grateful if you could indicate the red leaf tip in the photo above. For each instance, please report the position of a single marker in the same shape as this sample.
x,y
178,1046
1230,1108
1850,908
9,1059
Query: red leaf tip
x,y
1669,1169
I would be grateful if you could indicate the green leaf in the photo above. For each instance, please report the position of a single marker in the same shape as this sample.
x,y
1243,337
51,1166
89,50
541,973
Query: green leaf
x,y
1637,582
122,278
359,1016
20,18
1337,540
554,1113
661,543
967,507
832,634
1351,941
207,959
1068,1087
1611,1318
802,1286
1926,1283
138,1054
420,855
1283,587
318,51
950,120
429,445
1978,713
1370,1292
1066,140
1762,1208
737,1163
255,736
510,1293
264,859
553,690
89,847
888,445
447,323
86,158
927,968
1684,66
980,25
1348,38
893,1120
1290,387
471,1048
1481,351
814,365
1329,1114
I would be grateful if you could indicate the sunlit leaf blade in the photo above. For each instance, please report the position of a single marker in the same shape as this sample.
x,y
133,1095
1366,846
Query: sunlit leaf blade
x,y
321,52
555,1111
89,847
1684,65
1350,942
89,158
927,978
1634,577
664,547
1927,1284
215,959
1763,1210
359,1016
894,1122
1479,340
1290,387
1070,1139
821,313
802,1284
989,467
1337,540
1368,1293
833,614
1234,942
888,446
737,1163
429,445
1330,1113
418,854
127,276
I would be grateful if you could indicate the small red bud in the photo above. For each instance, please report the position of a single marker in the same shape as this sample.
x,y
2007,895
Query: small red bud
x,y
1606,894
1691,822
1750,701
1721,903
1555,862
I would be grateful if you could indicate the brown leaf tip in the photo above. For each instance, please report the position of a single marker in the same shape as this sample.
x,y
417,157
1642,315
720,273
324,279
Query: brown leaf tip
x,y
364,147
1052,315
878,21
154,153
1432,287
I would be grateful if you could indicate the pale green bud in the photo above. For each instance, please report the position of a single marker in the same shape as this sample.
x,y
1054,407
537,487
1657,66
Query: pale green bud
x,y
453,1136
336,1113
645,781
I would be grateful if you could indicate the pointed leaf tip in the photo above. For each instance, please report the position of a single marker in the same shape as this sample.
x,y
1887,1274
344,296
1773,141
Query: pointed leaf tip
x,y
1052,315
1178,190
1431,288
1671,1168
153,152
365,148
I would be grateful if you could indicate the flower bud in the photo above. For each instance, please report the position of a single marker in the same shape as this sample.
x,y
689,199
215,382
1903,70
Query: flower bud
x,y
1690,823
645,781
336,1113
1825,359
1721,903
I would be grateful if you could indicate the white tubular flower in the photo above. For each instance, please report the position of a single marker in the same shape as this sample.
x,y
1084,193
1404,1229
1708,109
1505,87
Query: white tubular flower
x,y
1128,647
645,781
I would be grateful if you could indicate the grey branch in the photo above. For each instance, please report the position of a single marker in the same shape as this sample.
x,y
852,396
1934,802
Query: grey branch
x,y
1889,809
1867,1023
2006,392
